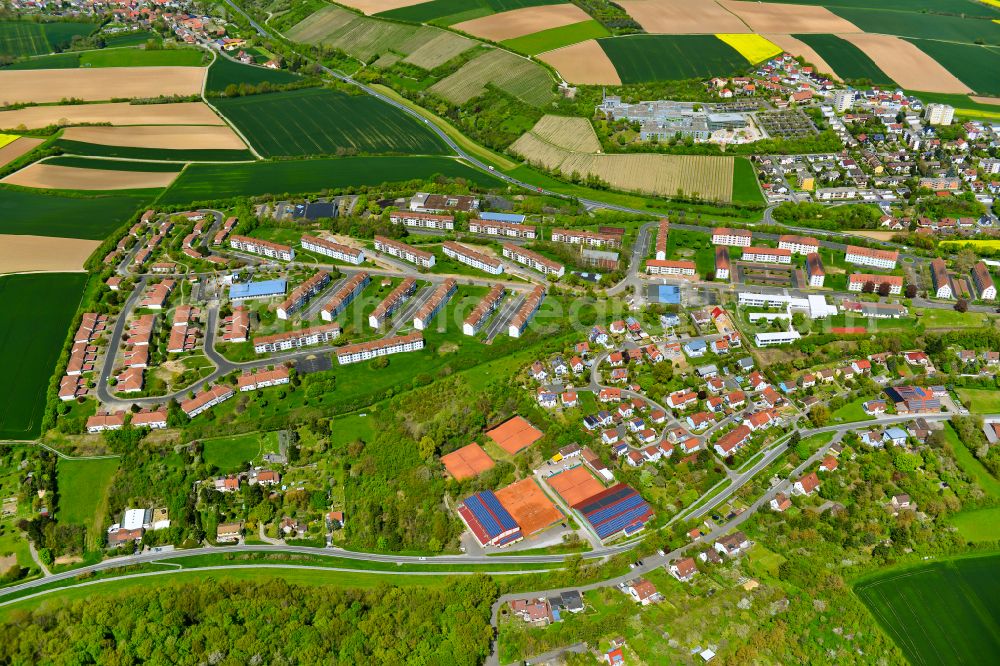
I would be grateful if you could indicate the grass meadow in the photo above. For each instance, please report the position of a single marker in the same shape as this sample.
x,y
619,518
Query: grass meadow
x,y
83,488
554,38
28,38
165,154
31,338
320,121
230,453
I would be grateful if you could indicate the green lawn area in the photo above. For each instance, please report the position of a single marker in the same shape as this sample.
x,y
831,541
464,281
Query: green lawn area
x,y
852,411
941,318
939,613
968,463
230,453
746,189
83,493
980,401
978,525
763,561
350,428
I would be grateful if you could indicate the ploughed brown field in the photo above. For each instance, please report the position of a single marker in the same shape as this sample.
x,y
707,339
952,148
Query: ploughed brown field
x,y
584,63
24,254
114,113
51,177
781,18
683,17
375,6
205,137
906,64
54,85
524,21
16,148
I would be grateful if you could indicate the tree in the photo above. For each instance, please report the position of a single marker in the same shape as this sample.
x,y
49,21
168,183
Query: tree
x,y
962,305
883,289
965,260
911,290
427,447
819,416
868,287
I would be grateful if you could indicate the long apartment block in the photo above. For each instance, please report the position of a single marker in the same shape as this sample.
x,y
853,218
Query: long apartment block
x,y
496,228
434,305
798,244
224,232
302,294
533,260
422,220
392,302
333,250
482,312
206,400
472,258
405,252
731,237
526,312
368,350
303,337
345,295
661,240
581,237
670,267
767,255
262,247
866,256
856,282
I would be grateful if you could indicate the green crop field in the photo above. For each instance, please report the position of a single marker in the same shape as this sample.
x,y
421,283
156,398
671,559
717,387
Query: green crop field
x,y
849,62
225,72
965,7
555,38
27,38
975,66
31,337
448,12
940,613
130,39
745,186
926,26
116,57
522,78
35,213
165,154
209,182
639,58
320,121
88,163
230,453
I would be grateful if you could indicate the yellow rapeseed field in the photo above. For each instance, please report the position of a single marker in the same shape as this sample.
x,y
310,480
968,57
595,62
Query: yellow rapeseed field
x,y
8,138
985,244
752,47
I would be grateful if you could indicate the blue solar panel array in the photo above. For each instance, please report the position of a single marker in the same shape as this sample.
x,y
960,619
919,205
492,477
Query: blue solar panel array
x,y
493,504
630,518
623,508
490,513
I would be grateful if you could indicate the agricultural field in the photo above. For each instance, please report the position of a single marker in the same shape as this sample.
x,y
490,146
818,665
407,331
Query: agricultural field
x,y
114,113
320,121
27,38
921,25
55,85
639,58
907,65
571,133
449,12
359,36
178,137
129,38
682,17
525,21
966,7
438,50
768,17
908,605
754,48
20,145
25,212
975,66
30,345
210,182
556,38
117,57
28,254
585,63
848,61
519,77
225,72
162,154
56,176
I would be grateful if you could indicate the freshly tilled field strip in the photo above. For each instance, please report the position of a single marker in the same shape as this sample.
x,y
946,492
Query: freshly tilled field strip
x,y
907,65
23,254
114,113
773,17
571,133
205,137
50,177
16,148
585,63
53,85
525,21
682,17
518,76
439,50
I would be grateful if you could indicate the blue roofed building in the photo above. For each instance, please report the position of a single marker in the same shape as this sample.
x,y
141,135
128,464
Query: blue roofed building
x,y
510,218
245,291
614,511
664,293
489,522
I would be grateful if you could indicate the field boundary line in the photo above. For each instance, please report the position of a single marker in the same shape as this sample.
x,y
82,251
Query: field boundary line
x,y
204,87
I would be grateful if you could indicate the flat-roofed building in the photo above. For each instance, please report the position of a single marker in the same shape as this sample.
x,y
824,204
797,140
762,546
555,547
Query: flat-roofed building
x,y
403,251
533,260
328,248
440,203
483,310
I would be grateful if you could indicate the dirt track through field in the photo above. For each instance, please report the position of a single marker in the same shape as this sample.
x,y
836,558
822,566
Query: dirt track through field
x,y
22,254
584,63
799,48
683,17
524,21
178,137
51,177
16,148
794,19
906,64
105,83
115,113
375,6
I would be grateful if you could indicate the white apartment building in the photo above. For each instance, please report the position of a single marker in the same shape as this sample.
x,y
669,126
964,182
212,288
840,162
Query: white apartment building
x,y
472,258
369,350
866,256
405,252
814,270
856,282
776,338
767,255
670,267
580,237
294,339
798,244
478,317
333,250
422,220
262,247
533,260
495,228
732,237
939,114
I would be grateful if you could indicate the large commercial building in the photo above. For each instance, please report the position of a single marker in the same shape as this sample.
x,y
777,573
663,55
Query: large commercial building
x,y
364,351
434,304
472,258
405,252
333,250
246,291
422,220
866,256
392,302
733,237
345,295
482,312
533,260
262,247
302,294
303,337
489,522
526,312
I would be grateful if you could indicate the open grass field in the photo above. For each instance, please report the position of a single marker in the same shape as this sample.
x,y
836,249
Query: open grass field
x,y
208,182
978,525
225,72
851,412
980,401
976,66
230,453
920,25
67,60
556,38
939,613
115,176
523,21
134,38
31,338
938,318
584,63
107,83
320,121
639,58
526,80
83,488
746,189
752,47
113,113
49,214
27,38
163,154
847,60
